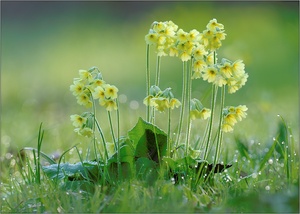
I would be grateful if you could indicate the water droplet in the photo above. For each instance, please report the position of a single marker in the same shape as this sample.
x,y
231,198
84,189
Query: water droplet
x,y
274,138
270,161
282,142
254,175
173,180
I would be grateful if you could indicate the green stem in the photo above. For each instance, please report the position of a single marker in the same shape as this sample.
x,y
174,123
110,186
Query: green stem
x,y
94,129
148,81
169,133
189,92
220,132
118,139
158,62
182,104
213,106
103,138
112,129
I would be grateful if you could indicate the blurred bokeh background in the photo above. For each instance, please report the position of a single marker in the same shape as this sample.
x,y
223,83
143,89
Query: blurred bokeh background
x,y
44,44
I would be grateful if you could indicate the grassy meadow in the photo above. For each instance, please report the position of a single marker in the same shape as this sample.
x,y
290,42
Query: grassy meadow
x,y
44,44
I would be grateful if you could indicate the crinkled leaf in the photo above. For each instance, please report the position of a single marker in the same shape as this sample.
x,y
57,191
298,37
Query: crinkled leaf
x,y
77,171
145,138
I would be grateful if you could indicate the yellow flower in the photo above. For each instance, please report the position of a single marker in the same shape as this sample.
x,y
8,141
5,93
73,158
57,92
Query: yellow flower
x,y
194,114
213,25
221,35
185,56
227,127
148,101
241,112
151,38
110,105
205,113
173,51
161,40
197,110
162,103
83,99
87,132
220,81
110,91
210,74
193,35
226,70
174,103
230,119
210,59
199,52
181,36
169,31
172,25
85,75
99,93
77,120
238,68
159,26
77,88
98,82
197,75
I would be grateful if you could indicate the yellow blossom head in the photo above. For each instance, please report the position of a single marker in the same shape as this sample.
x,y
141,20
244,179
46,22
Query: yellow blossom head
x,y
110,91
78,120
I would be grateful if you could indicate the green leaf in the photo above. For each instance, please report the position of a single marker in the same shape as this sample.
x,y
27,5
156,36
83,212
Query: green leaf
x,y
243,150
146,169
77,171
267,156
281,137
126,153
146,137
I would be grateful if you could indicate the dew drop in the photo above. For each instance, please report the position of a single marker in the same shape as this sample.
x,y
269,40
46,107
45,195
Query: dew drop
x,y
173,180
270,161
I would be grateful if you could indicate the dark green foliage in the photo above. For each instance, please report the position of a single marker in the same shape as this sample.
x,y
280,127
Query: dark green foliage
x,y
142,155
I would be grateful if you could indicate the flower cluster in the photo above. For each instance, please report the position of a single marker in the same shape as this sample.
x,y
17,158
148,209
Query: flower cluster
x,y
212,36
161,100
227,73
83,123
91,86
198,47
232,115
168,41
198,111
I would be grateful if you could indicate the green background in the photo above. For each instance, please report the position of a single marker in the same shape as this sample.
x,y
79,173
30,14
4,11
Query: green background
x,y
44,44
